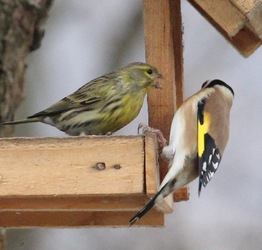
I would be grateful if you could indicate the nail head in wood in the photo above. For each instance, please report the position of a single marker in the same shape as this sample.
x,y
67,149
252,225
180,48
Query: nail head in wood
x,y
100,166
117,166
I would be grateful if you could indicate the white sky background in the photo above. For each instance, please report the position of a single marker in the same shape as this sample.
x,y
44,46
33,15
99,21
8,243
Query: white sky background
x,y
79,46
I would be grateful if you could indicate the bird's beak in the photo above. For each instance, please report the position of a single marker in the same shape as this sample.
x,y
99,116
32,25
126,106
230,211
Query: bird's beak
x,y
156,84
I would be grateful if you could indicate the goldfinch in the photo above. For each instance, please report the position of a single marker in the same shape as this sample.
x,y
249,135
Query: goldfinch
x,y
198,137
103,105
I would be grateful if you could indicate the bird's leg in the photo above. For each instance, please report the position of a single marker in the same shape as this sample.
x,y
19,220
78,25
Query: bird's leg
x,y
146,129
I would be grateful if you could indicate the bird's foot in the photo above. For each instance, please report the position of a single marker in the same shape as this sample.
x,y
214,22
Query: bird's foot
x,y
146,129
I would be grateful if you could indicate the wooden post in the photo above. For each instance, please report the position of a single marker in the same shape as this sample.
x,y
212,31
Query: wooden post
x,y
163,41
164,50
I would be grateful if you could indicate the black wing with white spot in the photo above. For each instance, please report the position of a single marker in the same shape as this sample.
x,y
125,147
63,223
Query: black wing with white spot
x,y
208,162
209,156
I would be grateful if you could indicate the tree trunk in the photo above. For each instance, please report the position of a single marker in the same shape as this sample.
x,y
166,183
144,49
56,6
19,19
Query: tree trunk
x,y
20,34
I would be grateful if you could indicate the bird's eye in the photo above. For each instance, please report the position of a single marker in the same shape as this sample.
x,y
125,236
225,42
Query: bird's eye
x,y
149,71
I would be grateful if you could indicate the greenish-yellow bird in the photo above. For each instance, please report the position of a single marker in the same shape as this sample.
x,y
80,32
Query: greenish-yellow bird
x,y
103,105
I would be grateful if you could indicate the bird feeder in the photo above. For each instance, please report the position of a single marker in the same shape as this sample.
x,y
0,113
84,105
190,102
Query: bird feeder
x,y
105,180
84,181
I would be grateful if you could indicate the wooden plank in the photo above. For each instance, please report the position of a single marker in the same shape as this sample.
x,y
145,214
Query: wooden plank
x,y
224,14
252,9
73,203
246,41
75,219
52,182
65,166
152,180
255,19
163,40
164,49
245,5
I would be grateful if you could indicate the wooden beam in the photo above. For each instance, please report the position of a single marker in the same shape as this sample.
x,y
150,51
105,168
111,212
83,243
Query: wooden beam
x,y
164,50
76,219
66,166
252,9
163,41
46,178
245,41
231,22
224,14
246,5
152,173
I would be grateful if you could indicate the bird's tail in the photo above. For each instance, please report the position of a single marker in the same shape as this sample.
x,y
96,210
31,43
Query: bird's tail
x,y
157,198
27,120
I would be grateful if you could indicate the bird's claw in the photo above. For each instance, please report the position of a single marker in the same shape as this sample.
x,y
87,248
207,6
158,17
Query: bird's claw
x,y
146,129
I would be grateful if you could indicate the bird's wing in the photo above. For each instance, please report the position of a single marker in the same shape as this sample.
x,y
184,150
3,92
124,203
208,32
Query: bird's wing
x,y
209,156
85,98
67,104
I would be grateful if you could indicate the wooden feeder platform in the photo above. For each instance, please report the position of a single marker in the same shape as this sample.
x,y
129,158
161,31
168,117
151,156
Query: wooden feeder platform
x,y
104,181
85,181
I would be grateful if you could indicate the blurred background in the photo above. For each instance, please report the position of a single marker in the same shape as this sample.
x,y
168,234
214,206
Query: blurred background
x,y
86,39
